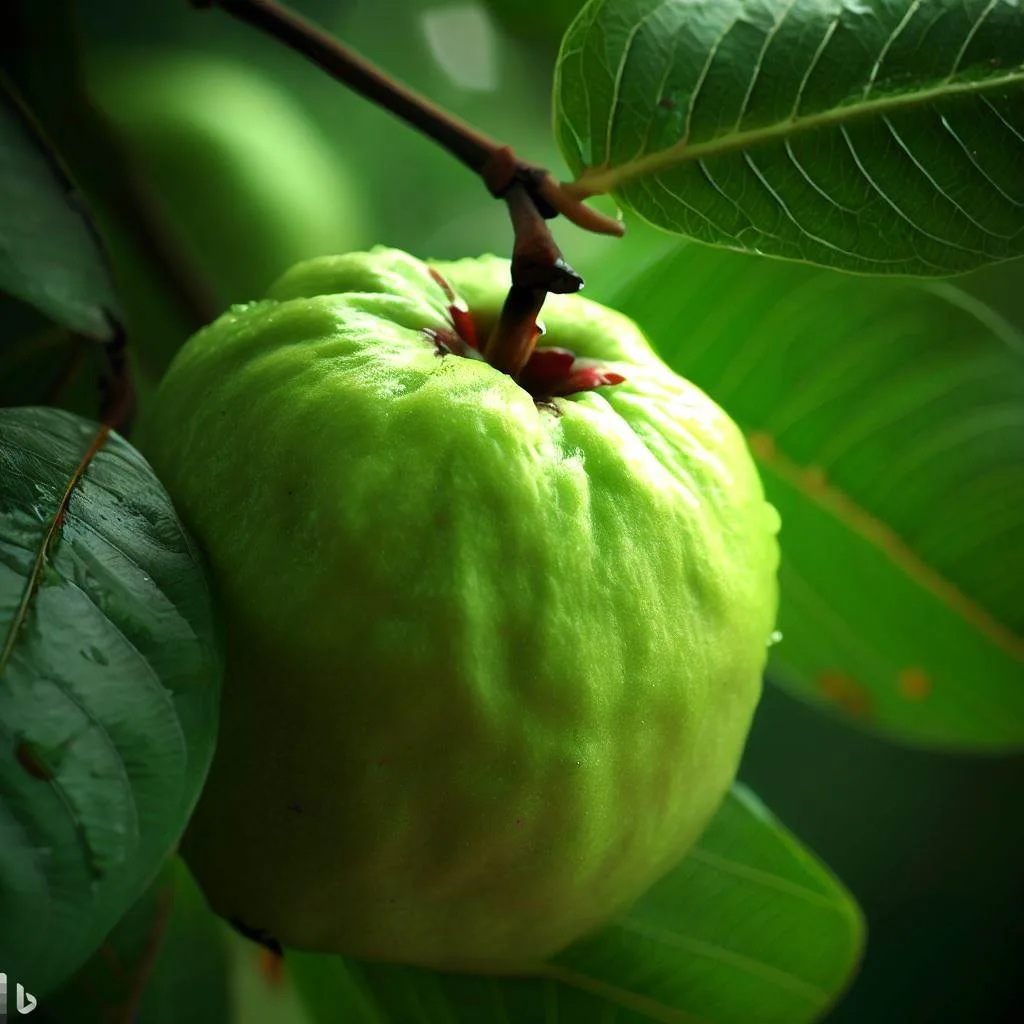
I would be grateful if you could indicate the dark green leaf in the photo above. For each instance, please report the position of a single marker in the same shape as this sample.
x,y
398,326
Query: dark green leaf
x,y
1001,287
888,421
884,136
749,929
166,962
50,255
109,686
42,363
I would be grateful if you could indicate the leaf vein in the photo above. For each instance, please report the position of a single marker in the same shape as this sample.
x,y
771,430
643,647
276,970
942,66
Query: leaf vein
x,y
887,46
762,178
826,38
995,110
613,106
970,156
895,207
598,180
992,4
758,64
802,171
701,79
731,866
713,951
901,142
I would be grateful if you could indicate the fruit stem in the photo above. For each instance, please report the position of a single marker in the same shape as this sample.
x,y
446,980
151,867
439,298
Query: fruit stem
x,y
532,195
537,268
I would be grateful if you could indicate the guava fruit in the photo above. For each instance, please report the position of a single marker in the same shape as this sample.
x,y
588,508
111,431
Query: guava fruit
x,y
246,181
492,656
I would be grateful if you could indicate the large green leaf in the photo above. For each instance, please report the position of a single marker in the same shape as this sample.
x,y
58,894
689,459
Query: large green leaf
x,y
1001,287
748,929
50,254
880,136
166,962
888,421
109,686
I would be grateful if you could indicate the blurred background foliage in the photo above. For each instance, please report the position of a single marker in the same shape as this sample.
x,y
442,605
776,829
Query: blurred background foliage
x,y
252,159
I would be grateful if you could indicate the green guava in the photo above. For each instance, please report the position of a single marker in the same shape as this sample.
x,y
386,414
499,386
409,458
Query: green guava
x,y
248,183
492,655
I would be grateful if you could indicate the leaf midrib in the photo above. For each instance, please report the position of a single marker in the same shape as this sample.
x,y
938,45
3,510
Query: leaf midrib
x,y
598,180
848,511
50,537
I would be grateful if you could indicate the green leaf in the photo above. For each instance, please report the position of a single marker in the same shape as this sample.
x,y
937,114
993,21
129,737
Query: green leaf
x,y
748,929
1001,287
888,421
109,687
50,254
878,136
165,962
262,988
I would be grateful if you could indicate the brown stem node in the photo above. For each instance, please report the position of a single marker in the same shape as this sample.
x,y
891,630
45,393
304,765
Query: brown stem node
x,y
532,195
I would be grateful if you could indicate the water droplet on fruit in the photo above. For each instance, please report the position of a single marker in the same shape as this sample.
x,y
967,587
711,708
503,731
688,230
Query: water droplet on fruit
x,y
773,638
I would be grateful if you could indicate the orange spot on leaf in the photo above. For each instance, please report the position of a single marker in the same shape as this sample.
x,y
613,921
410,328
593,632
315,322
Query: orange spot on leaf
x,y
914,683
846,692
761,444
27,757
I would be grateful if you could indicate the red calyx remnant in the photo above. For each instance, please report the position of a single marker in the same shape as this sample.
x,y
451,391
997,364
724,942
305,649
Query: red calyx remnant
x,y
548,373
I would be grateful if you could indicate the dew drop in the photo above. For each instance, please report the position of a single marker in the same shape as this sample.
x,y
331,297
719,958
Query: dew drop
x,y
773,638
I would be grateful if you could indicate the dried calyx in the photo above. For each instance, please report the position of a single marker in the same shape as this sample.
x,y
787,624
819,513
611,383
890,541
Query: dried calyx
x,y
548,373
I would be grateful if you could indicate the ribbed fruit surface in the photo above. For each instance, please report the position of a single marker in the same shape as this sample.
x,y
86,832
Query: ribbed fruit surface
x,y
491,664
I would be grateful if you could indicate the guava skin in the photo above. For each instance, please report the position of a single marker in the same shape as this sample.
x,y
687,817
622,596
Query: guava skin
x,y
491,663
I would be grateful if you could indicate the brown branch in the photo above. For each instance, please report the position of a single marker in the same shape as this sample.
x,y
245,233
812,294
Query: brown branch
x,y
79,350
116,383
21,351
473,148
531,193
129,1010
152,235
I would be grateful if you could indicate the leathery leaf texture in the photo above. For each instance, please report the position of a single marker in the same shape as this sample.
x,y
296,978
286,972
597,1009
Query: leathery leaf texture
x,y
491,661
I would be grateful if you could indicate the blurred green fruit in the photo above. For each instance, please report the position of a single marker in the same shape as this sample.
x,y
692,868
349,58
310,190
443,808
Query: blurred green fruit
x,y
245,180
492,659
